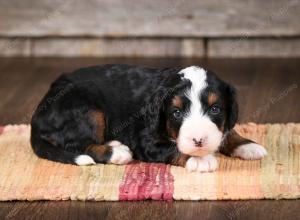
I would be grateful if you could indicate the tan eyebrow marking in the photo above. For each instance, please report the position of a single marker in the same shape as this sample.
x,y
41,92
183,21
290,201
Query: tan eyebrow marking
x,y
212,98
177,102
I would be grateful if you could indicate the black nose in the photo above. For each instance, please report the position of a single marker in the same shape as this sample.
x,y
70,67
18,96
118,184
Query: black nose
x,y
198,143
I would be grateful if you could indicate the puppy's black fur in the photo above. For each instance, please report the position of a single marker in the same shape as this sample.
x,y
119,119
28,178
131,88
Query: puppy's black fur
x,y
135,104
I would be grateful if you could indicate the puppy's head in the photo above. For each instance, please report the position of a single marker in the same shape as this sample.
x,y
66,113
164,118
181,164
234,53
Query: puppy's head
x,y
198,111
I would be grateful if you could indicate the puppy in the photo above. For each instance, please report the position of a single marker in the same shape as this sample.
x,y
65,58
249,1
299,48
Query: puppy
x,y
117,113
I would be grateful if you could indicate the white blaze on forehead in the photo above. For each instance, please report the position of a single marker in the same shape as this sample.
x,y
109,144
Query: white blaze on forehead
x,y
196,125
197,76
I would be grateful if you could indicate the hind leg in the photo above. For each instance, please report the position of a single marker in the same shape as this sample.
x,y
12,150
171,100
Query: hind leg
x,y
112,152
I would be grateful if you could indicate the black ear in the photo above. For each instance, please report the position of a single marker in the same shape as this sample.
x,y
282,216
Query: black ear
x,y
232,108
150,134
155,106
153,110
156,102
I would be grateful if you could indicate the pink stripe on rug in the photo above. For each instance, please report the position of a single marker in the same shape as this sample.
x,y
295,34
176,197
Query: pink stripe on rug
x,y
147,181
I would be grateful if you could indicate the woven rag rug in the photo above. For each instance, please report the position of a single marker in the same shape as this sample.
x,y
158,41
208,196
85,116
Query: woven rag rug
x,y
23,176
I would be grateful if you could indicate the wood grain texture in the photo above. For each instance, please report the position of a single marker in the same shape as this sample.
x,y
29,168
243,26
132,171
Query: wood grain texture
x,y
24,81
15,47
265,86
261,209
245,47
177,18
117,47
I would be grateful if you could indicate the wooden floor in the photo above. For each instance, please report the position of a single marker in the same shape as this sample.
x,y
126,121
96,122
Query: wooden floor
x,y
268,91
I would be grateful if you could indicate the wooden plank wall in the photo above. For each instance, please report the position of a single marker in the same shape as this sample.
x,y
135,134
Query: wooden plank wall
x,y
169,28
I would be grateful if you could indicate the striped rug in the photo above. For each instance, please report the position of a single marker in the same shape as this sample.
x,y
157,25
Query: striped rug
x,y
25,177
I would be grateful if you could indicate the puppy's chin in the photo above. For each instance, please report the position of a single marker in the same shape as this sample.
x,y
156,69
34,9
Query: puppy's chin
x,y
187,147
199,128
200,153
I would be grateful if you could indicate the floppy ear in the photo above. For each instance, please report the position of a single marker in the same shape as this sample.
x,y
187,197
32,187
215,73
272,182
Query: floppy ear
x,y
232,108
153,110
155,103
155,106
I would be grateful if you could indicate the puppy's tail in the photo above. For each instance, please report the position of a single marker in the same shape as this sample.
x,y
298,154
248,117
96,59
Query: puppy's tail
x,y
45,149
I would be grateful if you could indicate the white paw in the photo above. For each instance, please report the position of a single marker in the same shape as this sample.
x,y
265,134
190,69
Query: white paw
x,y
121,154
207,163
83,160
251,151
114,143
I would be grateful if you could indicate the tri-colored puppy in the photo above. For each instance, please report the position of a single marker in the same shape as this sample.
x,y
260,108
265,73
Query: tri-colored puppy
x,y
117,113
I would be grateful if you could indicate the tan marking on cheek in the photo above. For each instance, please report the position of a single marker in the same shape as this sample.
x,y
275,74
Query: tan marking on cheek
x,y
212,98
222,127
99,119
177,102
171,131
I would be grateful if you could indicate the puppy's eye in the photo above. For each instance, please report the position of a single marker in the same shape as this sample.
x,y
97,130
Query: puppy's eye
x,y
215,110
177,114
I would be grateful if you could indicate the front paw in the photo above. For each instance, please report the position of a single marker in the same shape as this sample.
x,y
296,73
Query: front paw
x,y
207,163
251,151
121,154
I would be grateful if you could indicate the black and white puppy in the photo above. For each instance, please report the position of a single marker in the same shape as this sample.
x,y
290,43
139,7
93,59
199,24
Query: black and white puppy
x,y
117,113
